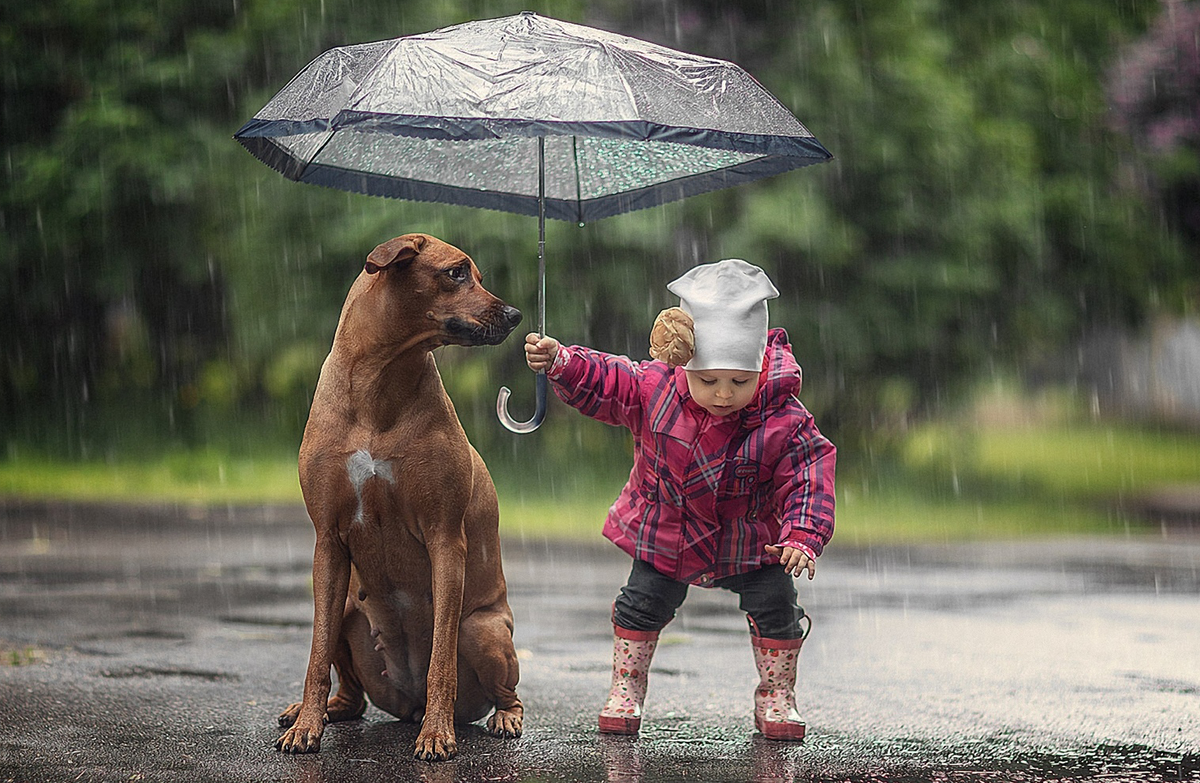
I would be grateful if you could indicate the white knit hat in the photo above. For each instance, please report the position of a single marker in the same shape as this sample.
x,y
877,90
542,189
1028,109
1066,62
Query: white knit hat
x,y
728,302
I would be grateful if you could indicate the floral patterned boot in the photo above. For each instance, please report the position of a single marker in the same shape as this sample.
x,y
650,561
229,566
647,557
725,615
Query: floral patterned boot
x,y
632,651
775,713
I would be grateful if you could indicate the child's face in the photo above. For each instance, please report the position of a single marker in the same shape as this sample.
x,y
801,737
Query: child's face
x,y
722,392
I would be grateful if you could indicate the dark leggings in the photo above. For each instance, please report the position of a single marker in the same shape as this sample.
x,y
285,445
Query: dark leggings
x,y
648,600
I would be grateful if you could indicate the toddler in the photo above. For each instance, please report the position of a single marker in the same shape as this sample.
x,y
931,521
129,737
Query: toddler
x,y
731,486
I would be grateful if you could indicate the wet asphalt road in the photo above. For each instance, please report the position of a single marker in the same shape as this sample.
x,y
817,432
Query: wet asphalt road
x,y
159,644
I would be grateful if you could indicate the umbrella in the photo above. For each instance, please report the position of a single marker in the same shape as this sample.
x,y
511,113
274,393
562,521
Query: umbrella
x,y
531,115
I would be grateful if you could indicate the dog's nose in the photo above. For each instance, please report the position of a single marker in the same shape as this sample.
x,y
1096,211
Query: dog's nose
x,y
511,316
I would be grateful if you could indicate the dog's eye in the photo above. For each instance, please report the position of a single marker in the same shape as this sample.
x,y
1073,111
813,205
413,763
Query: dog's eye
x,y
459,274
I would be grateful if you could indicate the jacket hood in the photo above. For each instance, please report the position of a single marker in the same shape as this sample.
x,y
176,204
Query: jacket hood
x,y
780,380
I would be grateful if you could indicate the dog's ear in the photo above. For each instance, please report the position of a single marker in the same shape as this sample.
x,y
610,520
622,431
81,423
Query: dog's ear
x,y
398,251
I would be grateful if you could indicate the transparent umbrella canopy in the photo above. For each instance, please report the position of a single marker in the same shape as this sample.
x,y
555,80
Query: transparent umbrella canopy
x,y
530,115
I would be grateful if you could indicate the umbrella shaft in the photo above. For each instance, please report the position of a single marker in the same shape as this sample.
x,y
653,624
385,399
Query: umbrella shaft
x,y
541,236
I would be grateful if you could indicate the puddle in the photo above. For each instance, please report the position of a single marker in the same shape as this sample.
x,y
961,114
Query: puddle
x,y
147,672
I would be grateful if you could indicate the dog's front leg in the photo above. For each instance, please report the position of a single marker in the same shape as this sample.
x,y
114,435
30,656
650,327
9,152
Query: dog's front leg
x,y
331,581
448,562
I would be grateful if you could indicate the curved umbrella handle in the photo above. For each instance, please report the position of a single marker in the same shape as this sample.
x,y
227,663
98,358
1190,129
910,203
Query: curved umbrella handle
x,y
511,424
520,427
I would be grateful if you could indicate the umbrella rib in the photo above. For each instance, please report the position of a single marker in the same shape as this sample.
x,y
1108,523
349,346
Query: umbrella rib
x,y
370,73
317,152
578,182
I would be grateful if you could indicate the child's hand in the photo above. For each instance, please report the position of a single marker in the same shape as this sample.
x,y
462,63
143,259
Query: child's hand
x,y
794,561
540,351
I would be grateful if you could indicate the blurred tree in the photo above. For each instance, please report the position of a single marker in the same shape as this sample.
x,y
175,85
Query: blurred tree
x,y
976,213
133,224
1156,91
109,117
974,216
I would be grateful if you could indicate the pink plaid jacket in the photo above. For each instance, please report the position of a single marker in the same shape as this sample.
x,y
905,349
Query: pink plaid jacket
x,y
706,493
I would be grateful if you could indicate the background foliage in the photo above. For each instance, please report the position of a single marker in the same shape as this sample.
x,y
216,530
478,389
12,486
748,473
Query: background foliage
x,y
1000,186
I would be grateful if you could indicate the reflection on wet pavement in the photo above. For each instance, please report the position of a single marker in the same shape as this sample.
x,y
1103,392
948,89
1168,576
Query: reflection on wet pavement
x,y
158,644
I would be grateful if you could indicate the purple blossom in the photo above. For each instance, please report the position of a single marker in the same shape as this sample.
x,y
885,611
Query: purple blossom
x,y
1155,87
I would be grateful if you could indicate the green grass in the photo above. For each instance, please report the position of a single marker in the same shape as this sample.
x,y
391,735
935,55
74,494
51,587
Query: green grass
x,y
954,480
879,511
213,478
202,477
21,656
890,517
1092,460
1045,445
578,517
1072,462
875,512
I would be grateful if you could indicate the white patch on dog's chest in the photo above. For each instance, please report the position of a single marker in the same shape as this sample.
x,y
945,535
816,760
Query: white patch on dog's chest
x,y
361,467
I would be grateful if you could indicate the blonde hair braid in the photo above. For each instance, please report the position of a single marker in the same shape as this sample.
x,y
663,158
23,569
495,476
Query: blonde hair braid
x,y
673,337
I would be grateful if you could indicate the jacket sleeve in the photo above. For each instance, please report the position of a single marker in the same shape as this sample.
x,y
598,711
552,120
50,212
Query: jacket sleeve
x,y
599,385
804,491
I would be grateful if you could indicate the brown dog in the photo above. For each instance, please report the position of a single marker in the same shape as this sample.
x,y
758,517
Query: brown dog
x,y
410,603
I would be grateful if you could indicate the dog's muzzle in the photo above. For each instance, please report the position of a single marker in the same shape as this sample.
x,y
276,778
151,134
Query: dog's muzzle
x,y
492,331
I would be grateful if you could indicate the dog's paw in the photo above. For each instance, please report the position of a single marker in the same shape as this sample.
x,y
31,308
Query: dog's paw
x,y
435,745
288,716
304,736
506,723
340,709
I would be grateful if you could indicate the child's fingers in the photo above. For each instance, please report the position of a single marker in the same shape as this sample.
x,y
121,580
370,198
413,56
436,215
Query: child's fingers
x,y
804,563
538,351
542,346
787,557
794,561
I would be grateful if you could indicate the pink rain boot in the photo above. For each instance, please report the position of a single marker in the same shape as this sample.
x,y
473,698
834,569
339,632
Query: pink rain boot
x,y
775,713
632,651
